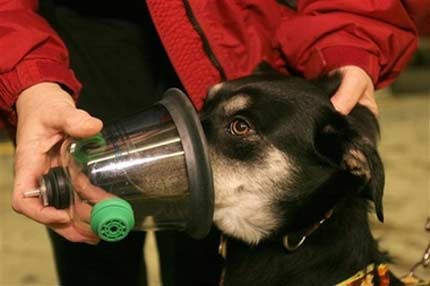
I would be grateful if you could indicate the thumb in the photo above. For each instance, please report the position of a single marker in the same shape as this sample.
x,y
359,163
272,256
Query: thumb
x,y
356,86
348,94
78,123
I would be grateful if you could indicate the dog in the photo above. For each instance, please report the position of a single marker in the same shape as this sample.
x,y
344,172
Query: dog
x,y
294,182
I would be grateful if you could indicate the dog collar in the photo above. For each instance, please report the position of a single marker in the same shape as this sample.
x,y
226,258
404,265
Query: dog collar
x,y
366,276
222,247
377,275
301,236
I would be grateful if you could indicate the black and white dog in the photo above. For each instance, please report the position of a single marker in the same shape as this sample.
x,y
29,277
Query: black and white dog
x,y
293,181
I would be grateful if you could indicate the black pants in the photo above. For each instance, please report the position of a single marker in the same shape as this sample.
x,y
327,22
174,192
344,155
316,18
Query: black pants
x,y
123,68
184,261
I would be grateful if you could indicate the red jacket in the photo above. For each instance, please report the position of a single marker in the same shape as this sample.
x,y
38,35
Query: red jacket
x,y
209,41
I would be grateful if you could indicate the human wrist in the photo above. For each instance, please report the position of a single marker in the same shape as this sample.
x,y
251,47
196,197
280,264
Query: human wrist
x,y
28,73
324,60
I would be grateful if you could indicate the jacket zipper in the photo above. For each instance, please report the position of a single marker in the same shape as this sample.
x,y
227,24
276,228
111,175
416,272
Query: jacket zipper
x,y
206,46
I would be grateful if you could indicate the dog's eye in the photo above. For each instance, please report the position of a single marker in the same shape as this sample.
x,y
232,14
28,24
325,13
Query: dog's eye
x,y
239,127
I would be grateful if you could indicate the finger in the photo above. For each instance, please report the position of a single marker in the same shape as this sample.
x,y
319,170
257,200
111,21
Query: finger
x,y
30,164
88,191
33,209
82,211
74,234
77,122
348,94
370,103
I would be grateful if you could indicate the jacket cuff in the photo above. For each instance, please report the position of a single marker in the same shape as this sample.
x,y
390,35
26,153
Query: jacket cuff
x,y
327,59
31,72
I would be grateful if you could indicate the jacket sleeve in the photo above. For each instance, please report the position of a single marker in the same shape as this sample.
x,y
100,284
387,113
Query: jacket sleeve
x,y
31,52
378,36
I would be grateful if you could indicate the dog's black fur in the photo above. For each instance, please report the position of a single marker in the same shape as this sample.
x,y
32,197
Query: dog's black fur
x,y
331,164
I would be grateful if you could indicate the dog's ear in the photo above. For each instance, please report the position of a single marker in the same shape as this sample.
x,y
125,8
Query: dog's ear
x,y
264,68
346,148
329,83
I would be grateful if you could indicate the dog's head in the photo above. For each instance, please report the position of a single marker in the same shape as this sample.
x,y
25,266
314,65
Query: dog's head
x,y
282,156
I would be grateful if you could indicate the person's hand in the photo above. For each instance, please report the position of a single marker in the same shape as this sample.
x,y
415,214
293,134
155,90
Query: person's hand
x,y
356,87
46,113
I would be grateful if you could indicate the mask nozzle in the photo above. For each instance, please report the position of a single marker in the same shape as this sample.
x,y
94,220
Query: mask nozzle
x,y
54,190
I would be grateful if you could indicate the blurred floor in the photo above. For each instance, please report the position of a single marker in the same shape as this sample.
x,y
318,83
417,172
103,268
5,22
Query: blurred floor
x,y
25,257
405,150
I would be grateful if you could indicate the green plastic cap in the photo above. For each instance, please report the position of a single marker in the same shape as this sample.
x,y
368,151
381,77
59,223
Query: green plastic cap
x,y
82,147
112,219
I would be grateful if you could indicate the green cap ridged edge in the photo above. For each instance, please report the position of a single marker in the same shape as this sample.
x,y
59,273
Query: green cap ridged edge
x,y
95,141
112,219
